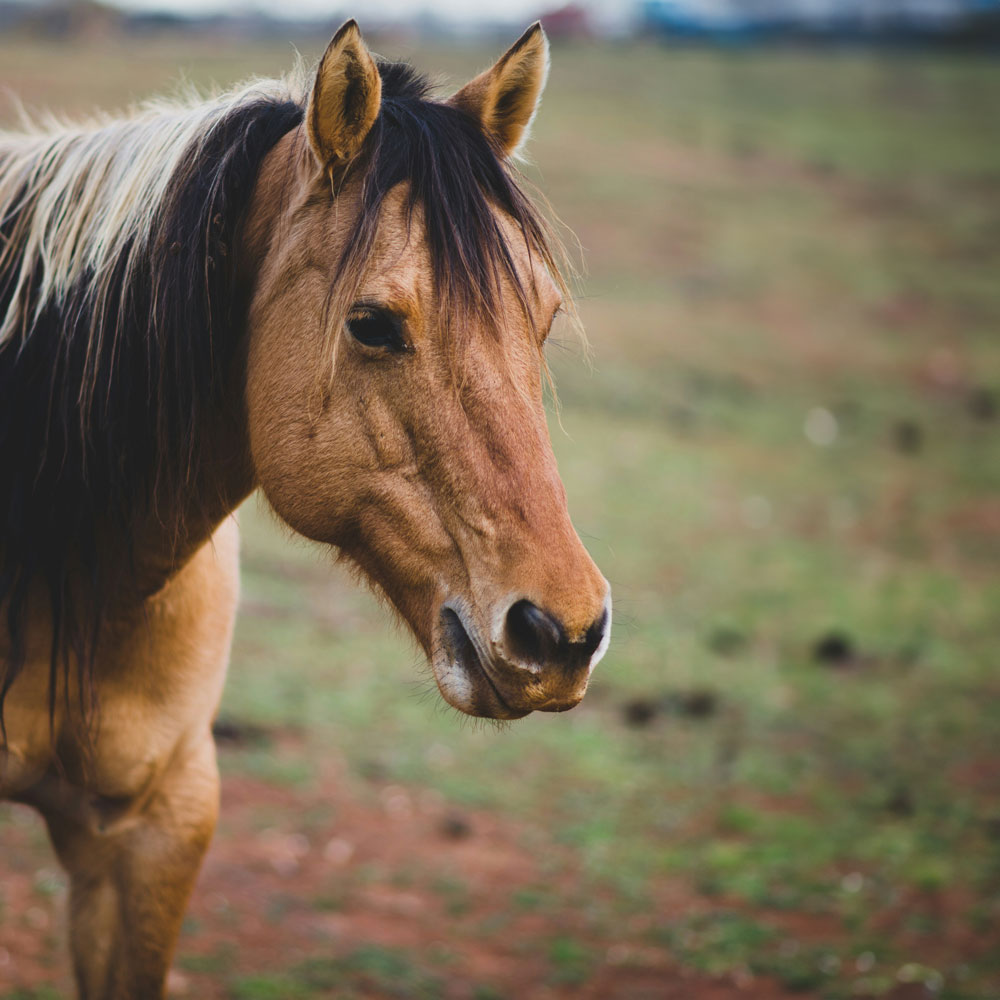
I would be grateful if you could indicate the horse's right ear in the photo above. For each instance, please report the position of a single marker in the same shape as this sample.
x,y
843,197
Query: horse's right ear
x,y
345,99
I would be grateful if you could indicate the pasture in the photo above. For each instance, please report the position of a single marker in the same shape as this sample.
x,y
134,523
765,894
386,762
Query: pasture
x,y
785,456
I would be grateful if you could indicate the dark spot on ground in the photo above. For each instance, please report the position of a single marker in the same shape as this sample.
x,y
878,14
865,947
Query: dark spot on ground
x,y
373,770
983,403
907,437
900,802
695,703
834,649
698,703
639,712
726,641
455,826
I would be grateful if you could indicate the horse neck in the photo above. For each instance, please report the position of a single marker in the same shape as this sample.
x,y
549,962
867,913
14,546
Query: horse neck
x,y
224,476
168,536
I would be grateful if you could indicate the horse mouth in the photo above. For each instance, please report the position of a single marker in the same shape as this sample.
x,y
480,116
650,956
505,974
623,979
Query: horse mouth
x,y
462,676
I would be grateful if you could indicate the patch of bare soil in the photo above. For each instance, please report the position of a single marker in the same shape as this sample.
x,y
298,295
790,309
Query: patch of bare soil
x,y
297,875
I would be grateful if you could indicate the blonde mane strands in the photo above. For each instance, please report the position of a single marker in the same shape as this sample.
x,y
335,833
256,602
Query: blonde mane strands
x,y
80,196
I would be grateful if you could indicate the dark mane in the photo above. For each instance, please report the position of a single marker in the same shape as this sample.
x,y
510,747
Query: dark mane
x,y
103,389
104,384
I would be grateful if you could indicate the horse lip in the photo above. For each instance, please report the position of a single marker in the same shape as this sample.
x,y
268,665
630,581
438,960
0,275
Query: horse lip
x,y
461,649
554,705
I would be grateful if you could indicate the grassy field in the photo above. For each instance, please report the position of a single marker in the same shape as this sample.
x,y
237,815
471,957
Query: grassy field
x,y
785,458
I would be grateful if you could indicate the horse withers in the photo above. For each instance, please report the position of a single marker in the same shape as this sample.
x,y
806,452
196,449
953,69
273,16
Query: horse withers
x,y
332,288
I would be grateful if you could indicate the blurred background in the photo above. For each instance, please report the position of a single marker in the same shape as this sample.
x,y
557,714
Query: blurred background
x,y
785,457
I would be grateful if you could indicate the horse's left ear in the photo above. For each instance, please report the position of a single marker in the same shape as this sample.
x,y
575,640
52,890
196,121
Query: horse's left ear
x,y
504,99
345,99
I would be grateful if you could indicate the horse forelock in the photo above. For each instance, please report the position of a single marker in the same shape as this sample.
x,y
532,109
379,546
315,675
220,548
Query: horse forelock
x,y
470,198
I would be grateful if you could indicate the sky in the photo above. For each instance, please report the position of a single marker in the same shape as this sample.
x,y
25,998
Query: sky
x,y
453,10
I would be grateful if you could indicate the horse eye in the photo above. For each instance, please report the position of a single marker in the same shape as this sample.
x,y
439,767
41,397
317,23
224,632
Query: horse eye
x,y
376,328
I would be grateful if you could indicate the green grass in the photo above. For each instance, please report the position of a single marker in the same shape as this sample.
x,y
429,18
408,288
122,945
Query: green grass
x,y
766,234
368,971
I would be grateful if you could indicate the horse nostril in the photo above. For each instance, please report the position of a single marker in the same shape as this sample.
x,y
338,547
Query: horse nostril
x,y
532,634
595,634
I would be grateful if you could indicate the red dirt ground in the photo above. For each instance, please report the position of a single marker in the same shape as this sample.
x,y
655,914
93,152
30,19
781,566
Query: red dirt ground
x,y
297,874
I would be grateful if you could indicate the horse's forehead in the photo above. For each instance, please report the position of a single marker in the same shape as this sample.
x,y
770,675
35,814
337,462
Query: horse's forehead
x,y
402,256
400,228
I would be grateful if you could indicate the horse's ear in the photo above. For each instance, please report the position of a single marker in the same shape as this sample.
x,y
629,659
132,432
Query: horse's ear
x,y
504,99
345,99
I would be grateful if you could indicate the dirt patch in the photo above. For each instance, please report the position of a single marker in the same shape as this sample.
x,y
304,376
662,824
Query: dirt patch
x,y
465,902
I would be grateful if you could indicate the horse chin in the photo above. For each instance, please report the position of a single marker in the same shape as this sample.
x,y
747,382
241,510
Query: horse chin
x,y
462,678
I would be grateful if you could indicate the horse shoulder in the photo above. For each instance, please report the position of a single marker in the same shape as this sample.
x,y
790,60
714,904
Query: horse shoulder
x,y
161,690
158,681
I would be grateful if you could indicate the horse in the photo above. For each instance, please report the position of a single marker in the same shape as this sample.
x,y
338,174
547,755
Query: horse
x,y
332,288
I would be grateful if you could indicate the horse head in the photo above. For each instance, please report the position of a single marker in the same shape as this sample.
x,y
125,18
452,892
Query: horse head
x,y
405,287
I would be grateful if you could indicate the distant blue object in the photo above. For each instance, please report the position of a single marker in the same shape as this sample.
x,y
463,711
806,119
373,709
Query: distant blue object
x,y
738,21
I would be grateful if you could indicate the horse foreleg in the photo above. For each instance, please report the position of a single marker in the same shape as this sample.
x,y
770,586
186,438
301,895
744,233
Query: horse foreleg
x,y
130,881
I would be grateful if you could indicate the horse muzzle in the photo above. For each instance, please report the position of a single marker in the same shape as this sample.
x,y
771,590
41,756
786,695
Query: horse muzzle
x,y
528,660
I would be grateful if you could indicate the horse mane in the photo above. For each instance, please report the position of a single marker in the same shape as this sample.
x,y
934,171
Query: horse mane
x,y
121,313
